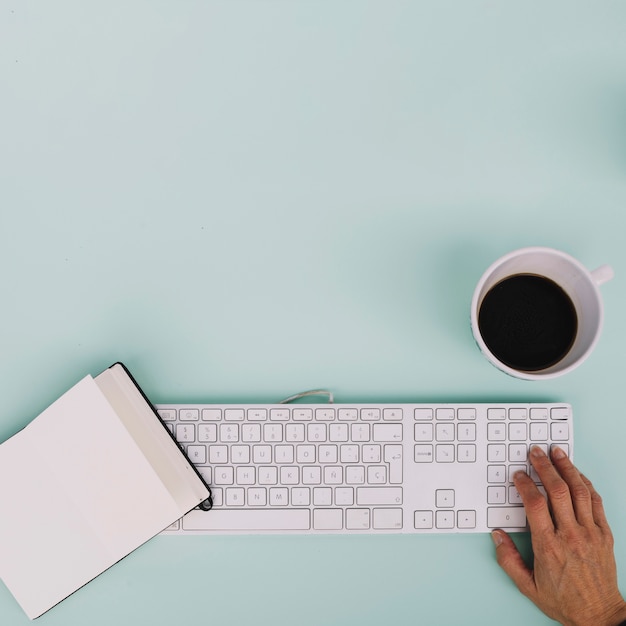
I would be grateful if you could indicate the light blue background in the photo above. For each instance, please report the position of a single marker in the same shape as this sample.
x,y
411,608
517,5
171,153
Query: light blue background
x,y
242,200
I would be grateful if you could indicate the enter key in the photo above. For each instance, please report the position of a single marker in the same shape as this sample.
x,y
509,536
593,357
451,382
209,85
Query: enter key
x,y
393,456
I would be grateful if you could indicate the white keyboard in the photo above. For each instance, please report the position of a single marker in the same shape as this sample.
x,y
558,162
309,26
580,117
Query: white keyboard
x,y
352,468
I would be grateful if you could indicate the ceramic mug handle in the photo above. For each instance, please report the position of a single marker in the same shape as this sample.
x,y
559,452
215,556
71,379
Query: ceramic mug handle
x,y
602,274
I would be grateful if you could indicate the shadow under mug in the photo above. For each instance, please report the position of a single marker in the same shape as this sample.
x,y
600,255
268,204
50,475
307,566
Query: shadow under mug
x,y
578,283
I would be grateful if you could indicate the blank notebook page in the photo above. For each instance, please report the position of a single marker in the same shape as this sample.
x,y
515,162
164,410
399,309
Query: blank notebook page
x,y
81,499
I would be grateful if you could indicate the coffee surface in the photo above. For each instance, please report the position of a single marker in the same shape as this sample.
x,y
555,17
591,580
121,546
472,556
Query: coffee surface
x,y
528,322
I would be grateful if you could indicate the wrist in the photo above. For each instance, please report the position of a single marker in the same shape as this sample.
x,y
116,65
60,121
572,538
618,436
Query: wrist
x,y
618,615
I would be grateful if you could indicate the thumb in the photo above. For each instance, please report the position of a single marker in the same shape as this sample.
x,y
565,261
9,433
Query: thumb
x,y
511,561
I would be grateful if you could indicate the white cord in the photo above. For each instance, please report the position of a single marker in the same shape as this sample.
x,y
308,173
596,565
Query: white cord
x,y
314,392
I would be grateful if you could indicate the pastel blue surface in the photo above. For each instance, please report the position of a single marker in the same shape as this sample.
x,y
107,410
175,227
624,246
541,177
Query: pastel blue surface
x,y
242,200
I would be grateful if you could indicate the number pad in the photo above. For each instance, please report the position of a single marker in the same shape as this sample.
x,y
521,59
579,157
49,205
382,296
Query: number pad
x,y
510,435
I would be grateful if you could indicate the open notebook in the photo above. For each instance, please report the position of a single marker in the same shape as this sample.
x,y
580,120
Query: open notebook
x,y
85,483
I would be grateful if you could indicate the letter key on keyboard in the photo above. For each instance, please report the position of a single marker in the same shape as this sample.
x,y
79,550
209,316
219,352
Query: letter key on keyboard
x,y
339,468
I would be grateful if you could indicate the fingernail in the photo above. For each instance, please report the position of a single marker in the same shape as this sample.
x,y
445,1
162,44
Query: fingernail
x,y
497,538
558,452
536,451
519,474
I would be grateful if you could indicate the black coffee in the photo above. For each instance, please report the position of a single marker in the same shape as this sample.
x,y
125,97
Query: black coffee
x,y
528,322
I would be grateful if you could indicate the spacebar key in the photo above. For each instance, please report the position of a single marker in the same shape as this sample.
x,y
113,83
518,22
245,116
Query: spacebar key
x,y
248,519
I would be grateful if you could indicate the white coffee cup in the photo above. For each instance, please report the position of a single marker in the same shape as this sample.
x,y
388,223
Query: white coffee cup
x,y
580,284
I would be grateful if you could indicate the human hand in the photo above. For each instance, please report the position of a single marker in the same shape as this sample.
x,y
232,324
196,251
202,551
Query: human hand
x,y
574,579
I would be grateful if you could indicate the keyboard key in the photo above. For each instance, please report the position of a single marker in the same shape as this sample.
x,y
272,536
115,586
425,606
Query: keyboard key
x,y
496,473
223,475
327,454
423,414
466,519
424,453
360,432
279,496
517,431
444,498
514,497
234,496
559,413
350,415
393,414
387,432
301,496
245,475
279,415
311,475
506,517
257,415
294,432
423,432
316,432
518,414
349,454
370,415
325,415
333,475
207,432
444,453
387,519
212,415
467,414
218,454
559,431
563,446
229,433
303,415
370,453
344,496
444,432
322,496
283,454
248,519
444,519
466,453
466,432
377,475
518,452
393,455
197,454
167,415
257,496
496,431
496,495
445,414
496,453
250,433
355,474
539,414
305,454
358,519
539,431
189,415
328,519
185,433
378,495
234,415
338,432
423,520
